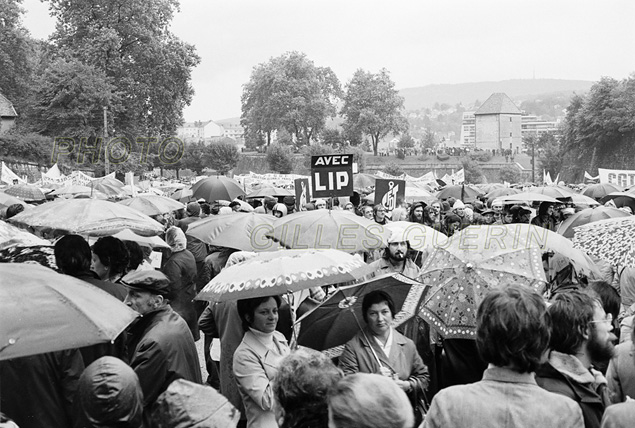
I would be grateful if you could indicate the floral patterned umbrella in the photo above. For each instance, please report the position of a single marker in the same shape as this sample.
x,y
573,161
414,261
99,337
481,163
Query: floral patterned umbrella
x,y
612,240
459,281
284,271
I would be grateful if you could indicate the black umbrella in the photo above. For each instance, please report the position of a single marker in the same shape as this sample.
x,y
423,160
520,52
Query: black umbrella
x,y
336,320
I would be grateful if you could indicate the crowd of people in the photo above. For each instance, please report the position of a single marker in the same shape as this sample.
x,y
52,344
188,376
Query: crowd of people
x,y
544,361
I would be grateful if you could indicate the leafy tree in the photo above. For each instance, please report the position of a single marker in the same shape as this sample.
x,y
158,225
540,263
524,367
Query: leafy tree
x,y
30,147
473,171
194,157
284,138
406,142
354,137
222,156
429,140
314,150
129,41
372,106
17,49
332,137
68,100
290,92
510,173
280,158
393,168
599,128
551,156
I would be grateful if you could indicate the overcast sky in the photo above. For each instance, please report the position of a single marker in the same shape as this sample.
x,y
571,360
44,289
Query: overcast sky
x,y
420,42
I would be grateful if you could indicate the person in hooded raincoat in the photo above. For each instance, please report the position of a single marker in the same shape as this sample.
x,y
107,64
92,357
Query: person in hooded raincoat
x,y
109,395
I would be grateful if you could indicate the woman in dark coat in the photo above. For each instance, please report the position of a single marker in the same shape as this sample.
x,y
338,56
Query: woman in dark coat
x,y
180,268
380,349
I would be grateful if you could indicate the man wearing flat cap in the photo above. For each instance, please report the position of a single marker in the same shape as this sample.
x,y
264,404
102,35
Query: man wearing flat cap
x,y
160,346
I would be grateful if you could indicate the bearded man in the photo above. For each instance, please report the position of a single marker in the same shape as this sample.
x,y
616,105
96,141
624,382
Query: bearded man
x,y
395,258
580,335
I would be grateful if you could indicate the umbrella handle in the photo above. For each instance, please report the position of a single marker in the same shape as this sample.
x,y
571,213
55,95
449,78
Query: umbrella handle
x,y
293,344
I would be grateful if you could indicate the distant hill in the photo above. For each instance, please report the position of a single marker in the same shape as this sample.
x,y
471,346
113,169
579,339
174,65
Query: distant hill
x,y
231,120
468,93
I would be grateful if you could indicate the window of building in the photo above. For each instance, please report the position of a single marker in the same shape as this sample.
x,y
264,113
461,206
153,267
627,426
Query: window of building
x,y
510,134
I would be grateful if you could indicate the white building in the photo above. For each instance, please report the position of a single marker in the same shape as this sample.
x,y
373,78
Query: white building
x,y
530,124
193,132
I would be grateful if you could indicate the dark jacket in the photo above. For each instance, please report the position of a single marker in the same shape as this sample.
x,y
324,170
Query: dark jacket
x,y
114,349
160,350
575,385
114,289
38,391
180,268
404,361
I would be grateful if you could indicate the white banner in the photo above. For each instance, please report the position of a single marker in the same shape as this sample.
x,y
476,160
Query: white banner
x,y
9,177
621,177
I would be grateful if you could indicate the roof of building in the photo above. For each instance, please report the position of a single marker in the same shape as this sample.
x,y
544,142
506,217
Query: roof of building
x,y
498,103
6,108
197,124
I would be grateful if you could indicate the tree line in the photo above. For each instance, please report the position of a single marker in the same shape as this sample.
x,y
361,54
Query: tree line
x,y
289,94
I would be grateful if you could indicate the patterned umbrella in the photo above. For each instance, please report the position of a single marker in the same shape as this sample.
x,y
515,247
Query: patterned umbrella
x,y
243,231
483,241
30,254
459,282
284,271
152,204
612,240
92,217
216,188
26,192
335,321
338,229
600,190
586,216
44,311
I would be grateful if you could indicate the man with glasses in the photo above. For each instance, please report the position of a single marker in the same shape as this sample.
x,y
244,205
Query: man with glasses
x,y
379,212
580,335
